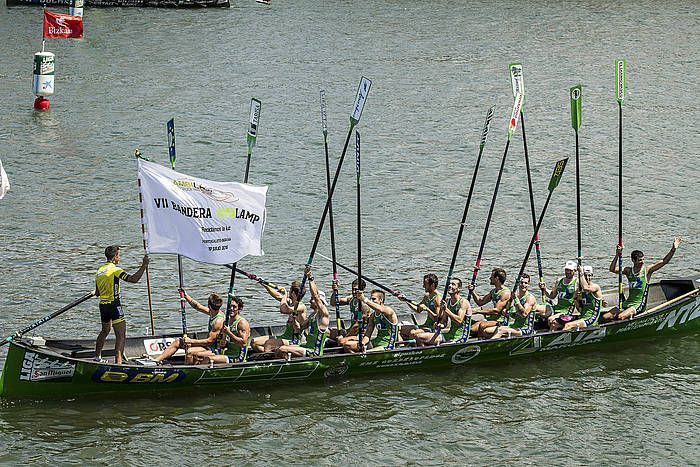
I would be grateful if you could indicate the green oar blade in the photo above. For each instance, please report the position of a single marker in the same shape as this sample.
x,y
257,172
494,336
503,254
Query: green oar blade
x,y
620,81
575,94
360,99
556,175
252,135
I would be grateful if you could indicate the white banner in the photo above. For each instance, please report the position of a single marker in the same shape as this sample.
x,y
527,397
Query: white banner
x,y
4,182
211,222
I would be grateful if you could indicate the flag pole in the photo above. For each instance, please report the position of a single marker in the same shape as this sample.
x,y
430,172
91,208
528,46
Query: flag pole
x,y
137,154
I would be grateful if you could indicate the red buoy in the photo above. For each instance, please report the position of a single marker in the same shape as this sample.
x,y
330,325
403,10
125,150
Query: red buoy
x,y
41,103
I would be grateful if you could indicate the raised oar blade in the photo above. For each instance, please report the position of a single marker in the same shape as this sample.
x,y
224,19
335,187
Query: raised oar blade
x,y
324,118
487,125
620,82
484,137
252,135
575,94
556,175
360,99
171,141
516,80
514,115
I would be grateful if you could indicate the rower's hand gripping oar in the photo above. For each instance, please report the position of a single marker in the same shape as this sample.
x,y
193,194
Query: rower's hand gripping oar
x,y
482,144
43,320
553,183
359,104
517,81
251,138
576,114
512,125
620,91
324,125
181,288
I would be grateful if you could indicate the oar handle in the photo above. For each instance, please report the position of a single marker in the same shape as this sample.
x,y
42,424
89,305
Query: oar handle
x,y
43,320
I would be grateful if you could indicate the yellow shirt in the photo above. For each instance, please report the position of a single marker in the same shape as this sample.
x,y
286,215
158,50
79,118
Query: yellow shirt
x,y
107,280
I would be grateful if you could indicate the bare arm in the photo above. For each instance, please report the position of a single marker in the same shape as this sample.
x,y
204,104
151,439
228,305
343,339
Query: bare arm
x,y
613,265
458,318
135,277
277,294
676,243
479,300
548,293
211,338
243,331
196,305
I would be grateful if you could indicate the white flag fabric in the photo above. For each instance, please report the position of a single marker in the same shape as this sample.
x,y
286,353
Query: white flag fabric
x,y
211,222
4,182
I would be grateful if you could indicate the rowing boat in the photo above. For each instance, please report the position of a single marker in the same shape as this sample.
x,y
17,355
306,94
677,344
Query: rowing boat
x,y
38,368
129,3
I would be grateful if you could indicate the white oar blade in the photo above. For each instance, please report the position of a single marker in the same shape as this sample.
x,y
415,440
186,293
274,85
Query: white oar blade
x,y
255,106
324,119
360,99
514,115
620,82
516,79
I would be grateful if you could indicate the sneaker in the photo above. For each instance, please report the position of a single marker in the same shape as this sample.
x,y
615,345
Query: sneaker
x,y
100,360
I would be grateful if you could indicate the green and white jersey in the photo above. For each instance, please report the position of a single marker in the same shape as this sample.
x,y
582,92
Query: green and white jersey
x,y
316,340
637,283
457,332
496,295
430,322
233,350
519,321
386,331
565,295
590,305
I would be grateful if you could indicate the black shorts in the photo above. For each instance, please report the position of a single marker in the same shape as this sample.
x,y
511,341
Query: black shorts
x,y
111,312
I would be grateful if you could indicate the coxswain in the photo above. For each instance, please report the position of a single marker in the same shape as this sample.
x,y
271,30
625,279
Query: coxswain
x,y
196,347
111,312
638,277
290,307
317,323
523,310
499,296
563,311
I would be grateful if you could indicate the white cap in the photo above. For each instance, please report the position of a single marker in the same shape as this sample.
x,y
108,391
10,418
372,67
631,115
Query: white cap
x,y
588,269
322,296
570,265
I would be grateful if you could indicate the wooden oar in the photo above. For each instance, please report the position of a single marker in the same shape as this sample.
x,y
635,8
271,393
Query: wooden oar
x,y
360,99
512,125
324,125
518,84
251,138
181,288
360,317
553,182
576,102
482,144
620,91
137,154
43,320
394,292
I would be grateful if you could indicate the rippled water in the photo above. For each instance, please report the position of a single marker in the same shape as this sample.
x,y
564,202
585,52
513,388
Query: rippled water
x,y
436,68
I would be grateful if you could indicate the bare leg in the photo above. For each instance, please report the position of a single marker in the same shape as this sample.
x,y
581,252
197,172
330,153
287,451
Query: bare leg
x,y
120,338
258,344
627,314
170,350
101,337
575,325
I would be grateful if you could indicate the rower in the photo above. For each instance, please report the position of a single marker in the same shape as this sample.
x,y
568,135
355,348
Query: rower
x,y
194,347
638,277
524,306
457,310
430,303
232,345
382,318
589,301
289,301
317,323
564,309
349,341
499,298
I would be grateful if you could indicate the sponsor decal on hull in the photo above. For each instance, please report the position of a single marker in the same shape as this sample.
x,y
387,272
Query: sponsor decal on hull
x,y
465,354
684,314
155,347
403,359
571,339
137,376
37,367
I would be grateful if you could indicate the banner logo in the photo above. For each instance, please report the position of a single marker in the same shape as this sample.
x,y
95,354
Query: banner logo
x,y
36,367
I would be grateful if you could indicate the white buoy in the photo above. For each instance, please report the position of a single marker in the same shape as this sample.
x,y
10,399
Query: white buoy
x,y
44,63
